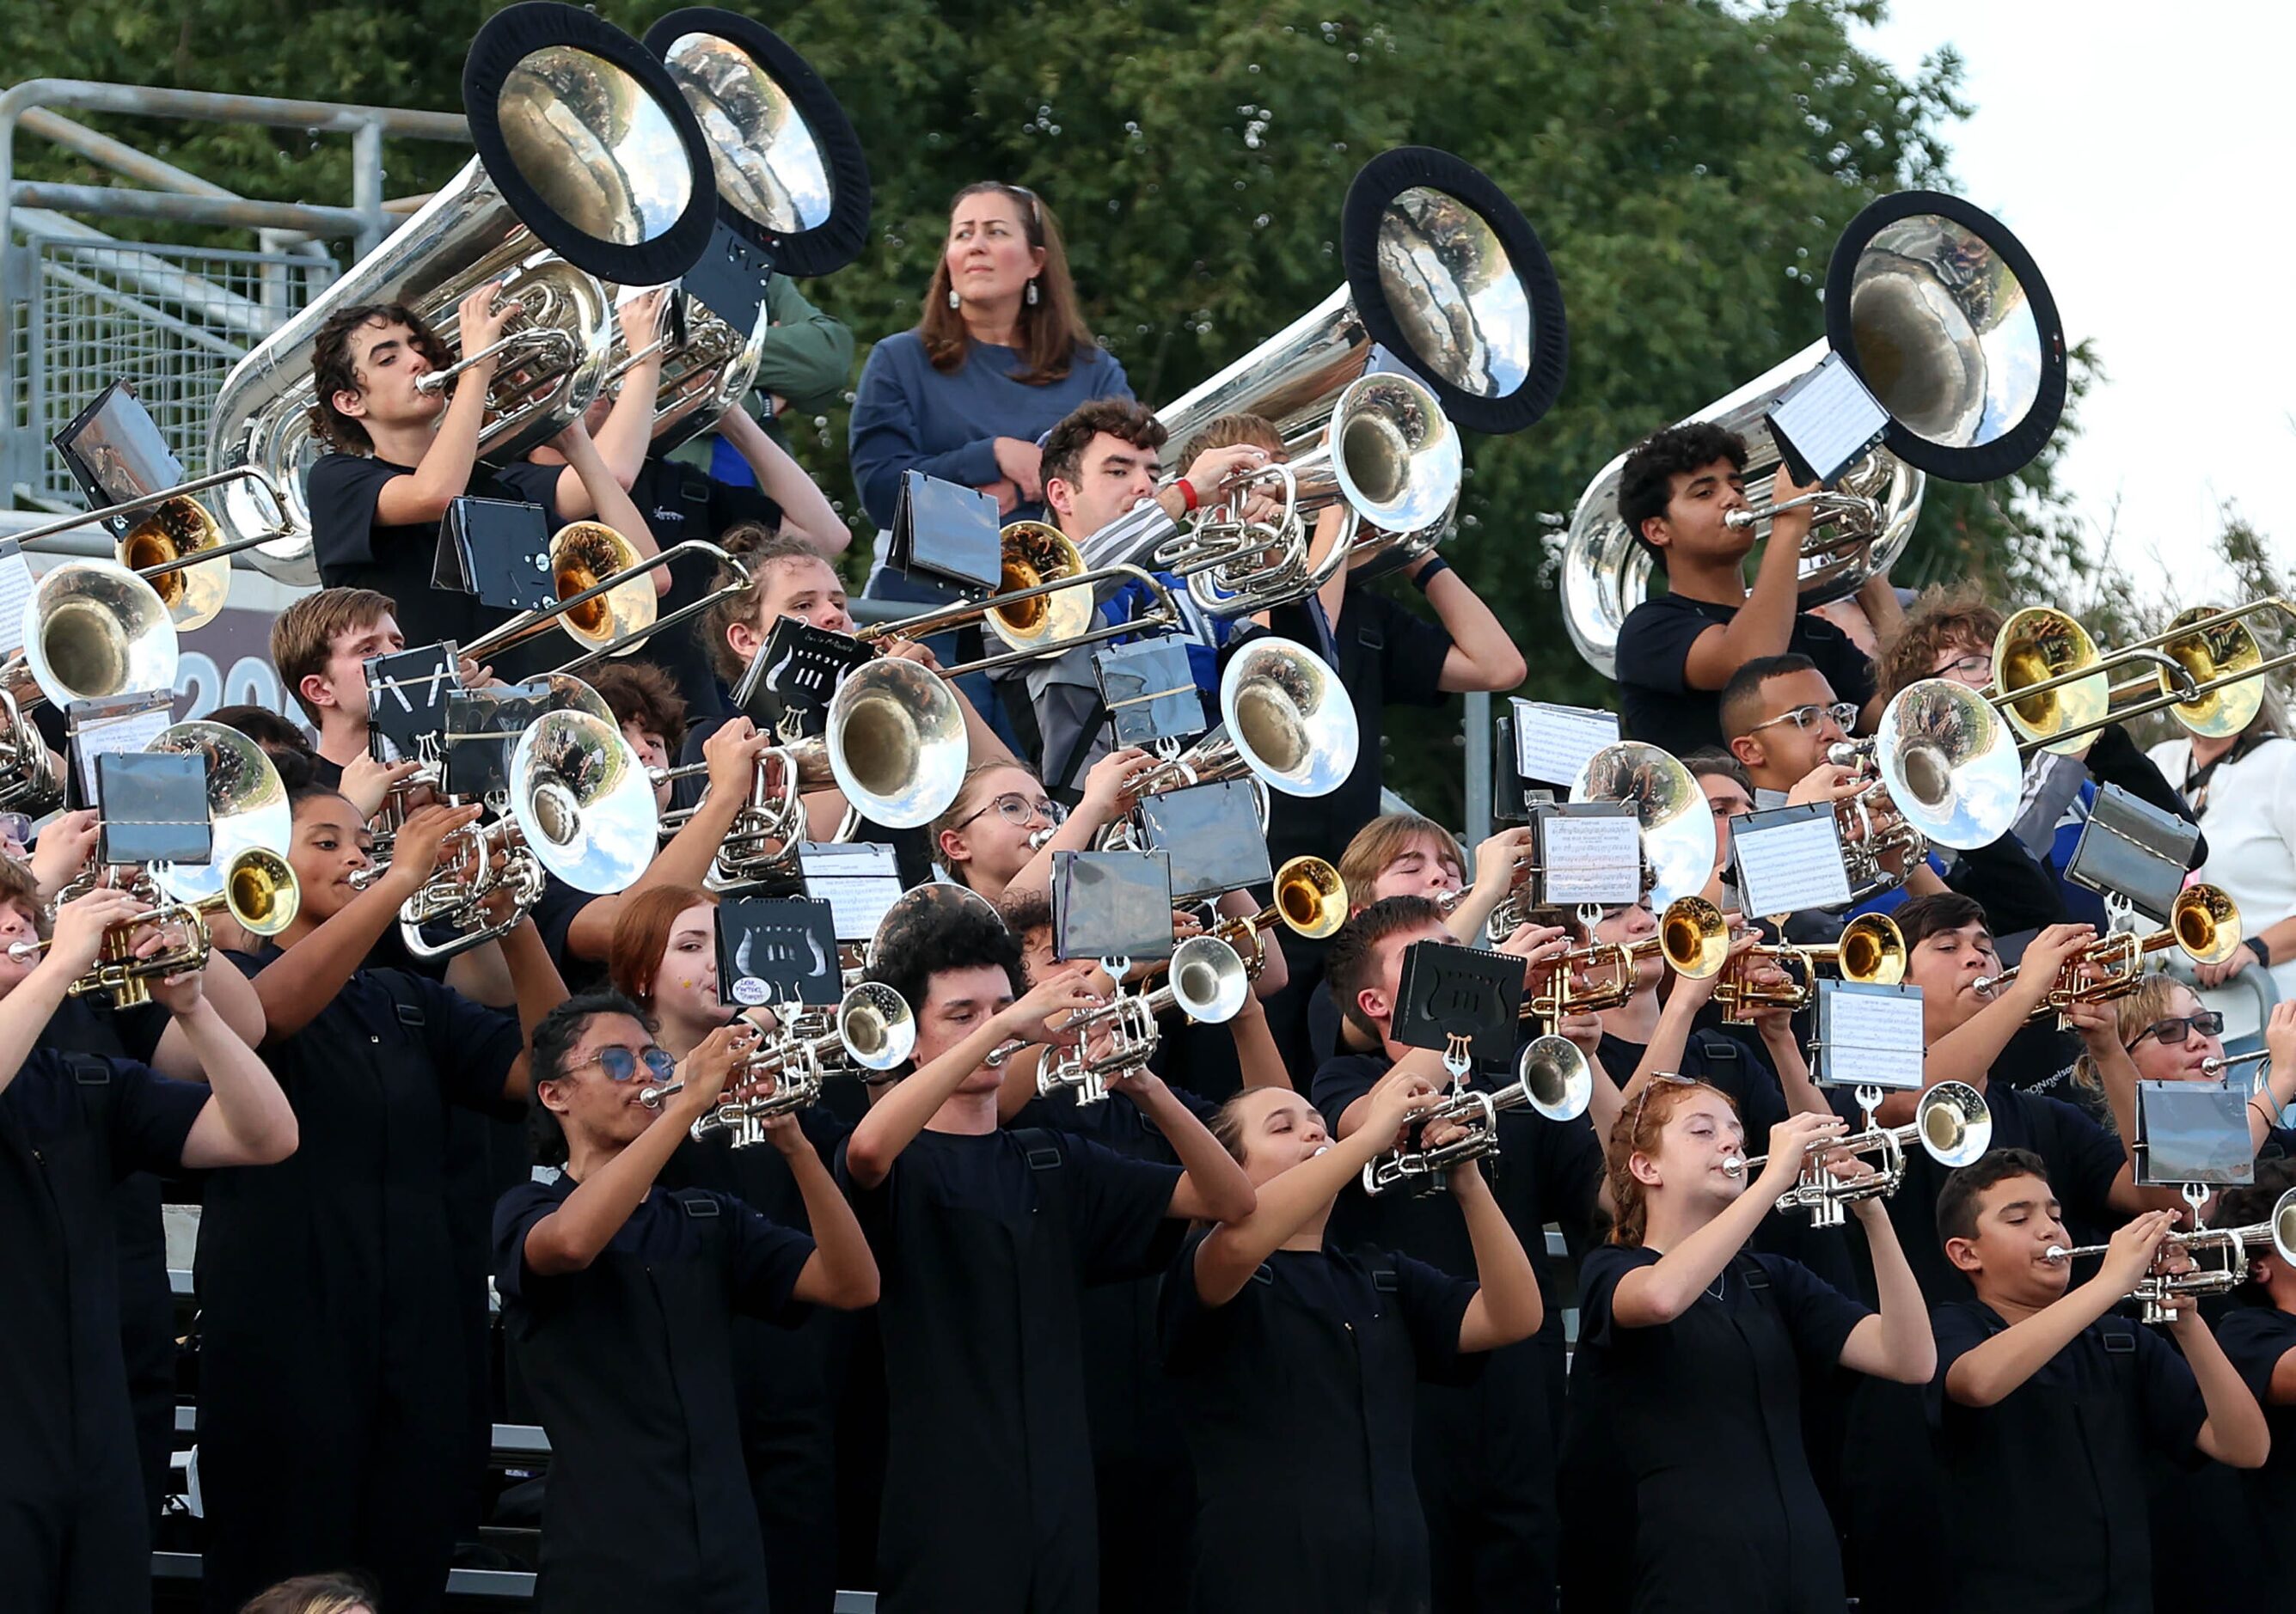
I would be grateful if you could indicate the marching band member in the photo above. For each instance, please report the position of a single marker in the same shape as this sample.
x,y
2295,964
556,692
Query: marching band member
x,y
1293,1362
2042,1392
339,1416
621,1295
988,1493
320,644
75,1531
1487,1468
2260,1339
785,1379
1677,650
1692,1349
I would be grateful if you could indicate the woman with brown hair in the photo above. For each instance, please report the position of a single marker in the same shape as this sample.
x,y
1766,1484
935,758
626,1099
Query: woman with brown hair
x,y
1691,1353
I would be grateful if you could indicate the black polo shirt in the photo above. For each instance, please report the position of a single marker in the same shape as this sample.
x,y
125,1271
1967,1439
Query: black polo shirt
x,y
1657,705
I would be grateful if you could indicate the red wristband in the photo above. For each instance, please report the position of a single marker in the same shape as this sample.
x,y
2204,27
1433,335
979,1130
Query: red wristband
x,y
1188,494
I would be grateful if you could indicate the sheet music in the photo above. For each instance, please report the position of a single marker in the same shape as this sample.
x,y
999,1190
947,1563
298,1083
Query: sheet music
x,y
1552,743
1829,417
1590,859
16,585
124,723
1869,1036
1789,859
856,878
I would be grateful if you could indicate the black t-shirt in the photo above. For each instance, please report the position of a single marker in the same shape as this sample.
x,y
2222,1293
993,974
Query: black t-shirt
x,y
1658,705
353,551
680,503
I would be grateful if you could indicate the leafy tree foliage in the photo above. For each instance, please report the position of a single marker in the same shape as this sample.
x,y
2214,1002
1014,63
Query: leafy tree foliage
x,y
1687,163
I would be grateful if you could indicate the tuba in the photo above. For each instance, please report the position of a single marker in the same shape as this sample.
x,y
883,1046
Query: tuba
x,y
1946,318
1445,274
791,183
590,168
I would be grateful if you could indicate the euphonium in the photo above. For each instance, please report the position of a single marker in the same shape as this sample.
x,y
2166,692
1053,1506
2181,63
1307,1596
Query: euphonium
x,y
1874,834
90,629
1552,1077
1951,1122
2203,922
1677,823
258,889
2156,1288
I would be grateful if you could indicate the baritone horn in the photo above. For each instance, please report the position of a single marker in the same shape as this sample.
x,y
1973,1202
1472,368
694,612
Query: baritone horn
x,y
590,169
258,889
1944,315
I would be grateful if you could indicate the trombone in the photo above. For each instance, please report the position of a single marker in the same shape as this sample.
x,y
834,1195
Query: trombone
x,y
1952,1123
2156,1288
1207,981
2056,688
259,891
1311,901
1870,951
2203,922
601,604
873,1030
1552,1077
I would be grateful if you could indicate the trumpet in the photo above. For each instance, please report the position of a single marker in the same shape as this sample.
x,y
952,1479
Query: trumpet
x,y
2155,1289
259,891
1207,981
1552,1077
2203,922
1952,1123
873,1030
1692,937
1870,951
1311,900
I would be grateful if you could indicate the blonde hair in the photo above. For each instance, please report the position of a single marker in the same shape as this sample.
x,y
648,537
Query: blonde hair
x,y
2152,999
1381,842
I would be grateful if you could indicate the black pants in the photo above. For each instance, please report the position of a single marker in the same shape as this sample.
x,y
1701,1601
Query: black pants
x,y
82,1548
1484,1458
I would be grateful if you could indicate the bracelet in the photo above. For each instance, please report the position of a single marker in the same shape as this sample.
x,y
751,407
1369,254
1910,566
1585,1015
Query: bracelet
x,y
1428,573
2255,944
2271,1117
1188,499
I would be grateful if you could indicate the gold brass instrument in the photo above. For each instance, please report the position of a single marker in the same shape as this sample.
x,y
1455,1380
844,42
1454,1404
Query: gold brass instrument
x,y
1871,951
256,888
2203,922
1951,1122
2204,669
1443,272
1552,1077
2222,1277
1311,901
591,169
1945,316
1678,824
606,601
871,1030
1206,982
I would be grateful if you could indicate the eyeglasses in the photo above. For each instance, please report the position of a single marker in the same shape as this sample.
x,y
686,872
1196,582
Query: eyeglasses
x,y
1806,717
1973,665
1018,809
2171,1033
621,1064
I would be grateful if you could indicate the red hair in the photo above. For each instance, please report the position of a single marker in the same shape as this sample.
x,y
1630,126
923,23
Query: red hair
x,y
1637,1132
642,935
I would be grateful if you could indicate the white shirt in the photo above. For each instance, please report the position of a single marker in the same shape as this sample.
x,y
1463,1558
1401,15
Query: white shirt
x,y
2250,824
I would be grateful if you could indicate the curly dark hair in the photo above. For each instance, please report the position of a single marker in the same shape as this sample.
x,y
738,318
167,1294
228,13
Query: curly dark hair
x,y
331,370
1119,417
941,939
1646,481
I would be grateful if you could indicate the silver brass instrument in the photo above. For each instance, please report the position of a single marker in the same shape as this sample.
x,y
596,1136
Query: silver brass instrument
x,y
90,629
1678,824
1443,271
1944,315
2222,1277
2203,923
591,169
1207,982
247,804
1949,763
258,888
1874,835
1552,1077
871,1030
1952,1123
2215,1067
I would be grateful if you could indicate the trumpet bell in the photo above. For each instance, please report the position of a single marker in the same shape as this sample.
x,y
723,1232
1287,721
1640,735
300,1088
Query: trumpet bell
x,y
92,629
1289,717
196,595
2205,922
1694,937
1955,1124
896,742
2226,650
1208,980
875,1024
1034,552
1873,951
583,554
247,804
1555,1077
1677,825
1950,765
2283,1226
580,797
260,890
1311,899
2038,644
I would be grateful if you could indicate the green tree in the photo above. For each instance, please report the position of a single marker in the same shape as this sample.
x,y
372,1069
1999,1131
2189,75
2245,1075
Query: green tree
x,y
1688,164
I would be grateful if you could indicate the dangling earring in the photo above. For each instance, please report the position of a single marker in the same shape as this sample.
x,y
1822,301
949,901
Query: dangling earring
x,y
952,297
1032,294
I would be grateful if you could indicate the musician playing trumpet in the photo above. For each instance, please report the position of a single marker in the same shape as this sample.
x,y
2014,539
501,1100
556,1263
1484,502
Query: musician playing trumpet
x,y
2045,1393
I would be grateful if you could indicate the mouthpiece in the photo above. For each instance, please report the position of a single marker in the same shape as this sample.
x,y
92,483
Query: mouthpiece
x,y
1739,520
1735,1165
654,1098
2057,1253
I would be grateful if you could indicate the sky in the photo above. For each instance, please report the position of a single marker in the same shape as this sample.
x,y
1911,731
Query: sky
x,y
2141,157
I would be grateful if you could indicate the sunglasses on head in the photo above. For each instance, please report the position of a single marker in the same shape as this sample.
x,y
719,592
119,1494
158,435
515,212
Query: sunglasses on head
x,y
2172,1032
1672,1079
